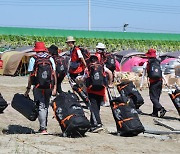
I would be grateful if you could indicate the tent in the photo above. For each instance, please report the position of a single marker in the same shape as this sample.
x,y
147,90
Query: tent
x,y
132,62
15,62
175,54
123,56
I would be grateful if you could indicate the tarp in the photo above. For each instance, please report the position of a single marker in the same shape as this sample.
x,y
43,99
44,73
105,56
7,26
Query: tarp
x,y
123,56
15,62
175,54
166,61
134,61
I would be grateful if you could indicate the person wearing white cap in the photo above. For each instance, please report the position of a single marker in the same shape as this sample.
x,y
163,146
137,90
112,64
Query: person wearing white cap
x,y
77,62
100,52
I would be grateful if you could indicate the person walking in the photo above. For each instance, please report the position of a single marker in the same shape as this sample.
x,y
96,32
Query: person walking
x,y
61,66
95,94
43,77
77,62
153,69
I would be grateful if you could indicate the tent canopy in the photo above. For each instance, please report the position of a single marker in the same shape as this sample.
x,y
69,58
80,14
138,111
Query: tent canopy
x,y
123,56
131,62
175,54
15,62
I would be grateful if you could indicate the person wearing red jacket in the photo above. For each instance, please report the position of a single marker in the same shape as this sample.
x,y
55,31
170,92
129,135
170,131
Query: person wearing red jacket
x,y
77,63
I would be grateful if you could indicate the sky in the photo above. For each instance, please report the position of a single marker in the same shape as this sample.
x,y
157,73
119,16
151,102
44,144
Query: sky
x,y
151,16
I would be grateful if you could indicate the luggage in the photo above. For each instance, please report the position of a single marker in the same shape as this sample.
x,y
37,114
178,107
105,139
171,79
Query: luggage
x,y
70,115
129,89
3,104
126,118
25,106
175,97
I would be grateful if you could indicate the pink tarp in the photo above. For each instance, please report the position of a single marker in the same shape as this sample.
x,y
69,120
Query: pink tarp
x,y
134,61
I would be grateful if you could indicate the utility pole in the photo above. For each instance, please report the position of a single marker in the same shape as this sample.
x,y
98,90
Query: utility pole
x,y
89,15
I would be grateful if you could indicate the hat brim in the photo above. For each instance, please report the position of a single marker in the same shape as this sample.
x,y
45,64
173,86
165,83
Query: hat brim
x,y
70,41
150,55
100,47
44,49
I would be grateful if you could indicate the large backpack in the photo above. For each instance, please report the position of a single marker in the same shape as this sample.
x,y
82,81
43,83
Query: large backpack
x,y
96,79
129,89
3,104
110,61
61,66
86,54
42,77
70,115
175,97
154,70
126,118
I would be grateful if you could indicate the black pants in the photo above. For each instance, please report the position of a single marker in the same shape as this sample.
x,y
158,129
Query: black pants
x,y
59,81
155,90
95,109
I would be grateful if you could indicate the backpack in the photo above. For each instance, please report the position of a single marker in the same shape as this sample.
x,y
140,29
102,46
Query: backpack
x,y
110,61
86,54
70,114
96,79
154,71
61,66
42,77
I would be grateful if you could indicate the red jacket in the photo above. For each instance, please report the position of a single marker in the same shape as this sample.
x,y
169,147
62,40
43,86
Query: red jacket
x,y
75,58
101,92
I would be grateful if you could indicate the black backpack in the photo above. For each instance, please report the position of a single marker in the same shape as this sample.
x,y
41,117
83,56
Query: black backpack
x,y
175,97
61,66
3,104
126,118
130,90
110,61
42,77
154,70
86,54
96,79
70,115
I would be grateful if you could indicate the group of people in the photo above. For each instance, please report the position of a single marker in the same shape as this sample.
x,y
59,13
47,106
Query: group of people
x,y
76,67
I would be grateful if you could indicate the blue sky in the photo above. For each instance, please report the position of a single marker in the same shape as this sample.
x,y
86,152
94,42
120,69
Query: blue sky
x,y
162,16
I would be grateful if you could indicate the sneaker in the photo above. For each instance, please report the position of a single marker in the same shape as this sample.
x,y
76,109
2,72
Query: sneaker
x,y
154,114
96,129
162,112
43,132
139,111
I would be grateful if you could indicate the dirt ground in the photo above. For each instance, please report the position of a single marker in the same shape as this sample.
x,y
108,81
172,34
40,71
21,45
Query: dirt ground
x,y
16,132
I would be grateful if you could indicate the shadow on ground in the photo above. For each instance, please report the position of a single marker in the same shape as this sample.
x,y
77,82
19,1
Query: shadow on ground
x,y
18,129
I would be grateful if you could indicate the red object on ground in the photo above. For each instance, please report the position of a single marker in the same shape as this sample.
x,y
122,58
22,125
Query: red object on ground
x,y
1,64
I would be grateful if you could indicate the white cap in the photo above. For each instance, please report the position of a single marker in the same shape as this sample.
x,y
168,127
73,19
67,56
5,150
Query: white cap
x,y
101,46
